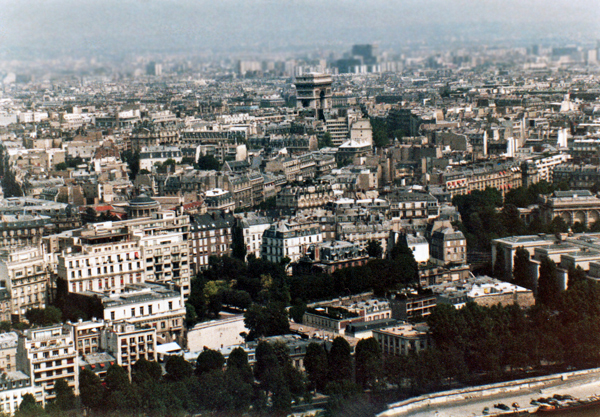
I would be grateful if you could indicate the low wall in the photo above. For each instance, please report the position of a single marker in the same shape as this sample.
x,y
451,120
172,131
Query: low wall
x,y
483,391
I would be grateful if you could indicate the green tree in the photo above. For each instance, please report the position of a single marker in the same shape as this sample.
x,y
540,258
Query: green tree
x,y
52,315
316,365
297,311
270,320
511,218
579,227
239,389
270,372
523,276
234,298
214,395
267,369
238,362
91,390
325,141
119,394
500,264
340,360
575,275
133,163
374,249
196,299
29,407
398,369
368,362
403,269
145,371
208,163
380,130
178,369
558,225
549,288
340,394
191,317
238,246
44,317
209,360
65,397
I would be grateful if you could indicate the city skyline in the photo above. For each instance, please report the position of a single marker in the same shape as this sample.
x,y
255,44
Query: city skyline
x,y
65,28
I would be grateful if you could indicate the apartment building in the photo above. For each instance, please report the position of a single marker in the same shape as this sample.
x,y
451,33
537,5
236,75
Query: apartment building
x,y
291,240
104,260
408,306
12,389
48,354
154,305
24,273
151,155
8,351
102,343
338,129
87,335
541,168
503,177
414,205
129,342
362,232
335,316
331,256
253,227
21,230
448,246
302,197
210,235
104,257
577,176
218,200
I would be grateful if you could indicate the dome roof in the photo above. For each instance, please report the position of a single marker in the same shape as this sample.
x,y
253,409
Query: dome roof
x,y
143,201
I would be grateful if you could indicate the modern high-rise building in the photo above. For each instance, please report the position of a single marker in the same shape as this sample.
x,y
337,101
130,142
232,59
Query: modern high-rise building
x,y
368,53
154,69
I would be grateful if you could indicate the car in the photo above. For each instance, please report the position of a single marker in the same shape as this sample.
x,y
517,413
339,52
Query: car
x,y
502,407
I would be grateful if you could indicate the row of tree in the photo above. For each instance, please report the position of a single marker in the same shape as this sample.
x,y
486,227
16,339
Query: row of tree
x,y
208,386
560,329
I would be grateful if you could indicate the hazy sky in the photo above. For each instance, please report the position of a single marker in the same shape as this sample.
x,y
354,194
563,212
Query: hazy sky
x,y
77,27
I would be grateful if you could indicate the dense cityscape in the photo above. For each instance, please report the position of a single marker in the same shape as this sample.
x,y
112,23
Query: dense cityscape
x,y
320,233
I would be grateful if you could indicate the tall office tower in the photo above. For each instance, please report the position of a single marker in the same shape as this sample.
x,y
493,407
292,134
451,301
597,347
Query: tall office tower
x,y
313,90
154,69
367,52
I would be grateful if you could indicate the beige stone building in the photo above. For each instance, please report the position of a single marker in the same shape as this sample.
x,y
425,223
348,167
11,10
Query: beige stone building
x,y
48,354
24,273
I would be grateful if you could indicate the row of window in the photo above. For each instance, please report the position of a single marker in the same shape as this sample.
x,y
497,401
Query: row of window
x,y
106,270
142,311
